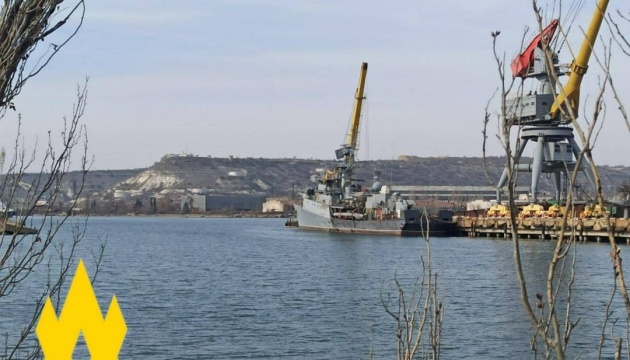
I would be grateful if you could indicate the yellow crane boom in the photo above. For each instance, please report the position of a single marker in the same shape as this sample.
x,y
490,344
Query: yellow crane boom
x,y
348,149
579,66
356,113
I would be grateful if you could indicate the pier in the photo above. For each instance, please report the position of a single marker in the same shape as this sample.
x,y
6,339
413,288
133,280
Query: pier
x,y
10,227
585,230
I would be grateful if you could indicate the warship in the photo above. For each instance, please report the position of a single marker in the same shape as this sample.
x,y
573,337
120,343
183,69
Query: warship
x,y
342,203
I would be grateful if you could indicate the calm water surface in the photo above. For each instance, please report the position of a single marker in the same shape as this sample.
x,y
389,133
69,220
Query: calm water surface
x,y
193,288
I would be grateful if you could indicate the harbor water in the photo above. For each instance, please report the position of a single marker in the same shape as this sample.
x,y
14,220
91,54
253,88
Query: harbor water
x,y
201,288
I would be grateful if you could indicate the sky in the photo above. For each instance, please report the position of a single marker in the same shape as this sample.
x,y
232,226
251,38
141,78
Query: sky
x,y
276,78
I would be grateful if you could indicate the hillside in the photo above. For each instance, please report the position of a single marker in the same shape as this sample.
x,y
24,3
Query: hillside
x,y
279,176
163,183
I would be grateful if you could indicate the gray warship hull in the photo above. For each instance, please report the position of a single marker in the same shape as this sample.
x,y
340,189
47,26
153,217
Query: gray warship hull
x,y
316,216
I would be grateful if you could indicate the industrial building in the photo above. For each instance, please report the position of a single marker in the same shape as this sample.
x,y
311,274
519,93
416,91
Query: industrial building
x,y
197,203
450,192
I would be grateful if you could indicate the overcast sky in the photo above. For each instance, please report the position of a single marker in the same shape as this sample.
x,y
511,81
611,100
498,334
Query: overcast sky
x,y
276,78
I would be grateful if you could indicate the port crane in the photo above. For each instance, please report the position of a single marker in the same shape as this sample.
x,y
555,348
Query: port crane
x,y
342,175
544,118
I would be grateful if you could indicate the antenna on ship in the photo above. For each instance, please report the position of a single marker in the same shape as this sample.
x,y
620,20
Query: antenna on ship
x,y
391,166
3,154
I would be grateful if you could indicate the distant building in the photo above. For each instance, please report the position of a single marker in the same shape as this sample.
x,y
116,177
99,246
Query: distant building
x,y
237,173
207,203
122,194
277,205
448,192
182,154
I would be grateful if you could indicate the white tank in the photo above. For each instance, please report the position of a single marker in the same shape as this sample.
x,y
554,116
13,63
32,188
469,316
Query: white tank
x,y
377,186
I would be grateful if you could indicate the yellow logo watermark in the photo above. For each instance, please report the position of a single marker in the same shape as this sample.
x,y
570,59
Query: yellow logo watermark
x,y
81,313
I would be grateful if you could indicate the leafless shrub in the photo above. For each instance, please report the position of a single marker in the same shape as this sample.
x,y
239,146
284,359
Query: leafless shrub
x,y
23,255
32,33
418,313
26,26
549,329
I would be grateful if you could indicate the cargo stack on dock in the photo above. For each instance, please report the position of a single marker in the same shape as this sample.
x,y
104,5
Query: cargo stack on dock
x,y
589,225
